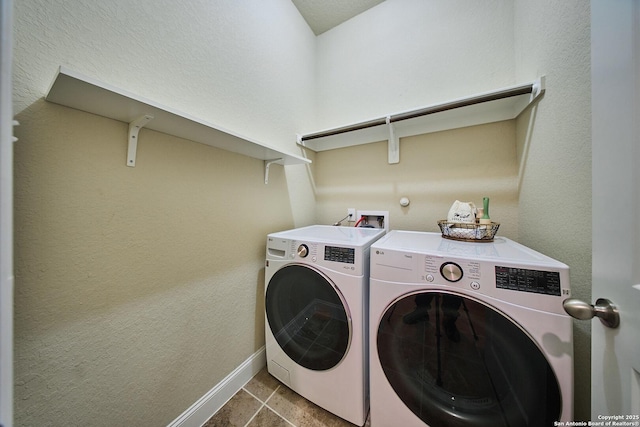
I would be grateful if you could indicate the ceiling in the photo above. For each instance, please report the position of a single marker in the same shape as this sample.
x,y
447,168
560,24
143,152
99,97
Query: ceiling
x,y
323,15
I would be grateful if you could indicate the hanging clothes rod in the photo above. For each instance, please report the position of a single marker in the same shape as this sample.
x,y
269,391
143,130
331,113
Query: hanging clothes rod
x,y
344,129
467,102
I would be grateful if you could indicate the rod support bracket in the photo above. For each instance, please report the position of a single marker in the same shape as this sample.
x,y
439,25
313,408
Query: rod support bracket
x,y
134,129
394,143
538,88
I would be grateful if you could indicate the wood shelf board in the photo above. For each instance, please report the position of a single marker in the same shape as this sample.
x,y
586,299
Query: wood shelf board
x,y
83,93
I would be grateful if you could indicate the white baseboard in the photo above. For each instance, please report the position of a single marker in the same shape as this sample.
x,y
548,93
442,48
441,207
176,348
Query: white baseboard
x,y
215,398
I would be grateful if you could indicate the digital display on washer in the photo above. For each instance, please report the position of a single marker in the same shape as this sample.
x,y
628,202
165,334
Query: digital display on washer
x,y
521,279
338,254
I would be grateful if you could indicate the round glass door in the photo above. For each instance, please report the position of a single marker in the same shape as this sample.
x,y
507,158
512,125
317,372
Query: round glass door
x,y
308,317
455,361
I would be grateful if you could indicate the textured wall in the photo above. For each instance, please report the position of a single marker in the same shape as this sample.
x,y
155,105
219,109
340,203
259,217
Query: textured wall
x,y
224,61
404,54
434,170
139,289
553,38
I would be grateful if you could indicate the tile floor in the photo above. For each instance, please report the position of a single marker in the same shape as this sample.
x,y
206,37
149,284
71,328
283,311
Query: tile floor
x,y
265,402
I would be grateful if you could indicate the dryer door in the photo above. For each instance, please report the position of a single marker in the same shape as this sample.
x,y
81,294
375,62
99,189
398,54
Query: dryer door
x,y
308,317
455,361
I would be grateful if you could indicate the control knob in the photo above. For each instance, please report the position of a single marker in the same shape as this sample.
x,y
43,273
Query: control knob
x,y
451,271
303,251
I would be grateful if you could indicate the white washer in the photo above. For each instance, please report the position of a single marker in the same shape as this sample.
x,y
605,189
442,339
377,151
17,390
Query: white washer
x,y
316,295
468,334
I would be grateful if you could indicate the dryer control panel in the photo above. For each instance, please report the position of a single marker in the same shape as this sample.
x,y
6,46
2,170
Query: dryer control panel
x,y
339,254
348,260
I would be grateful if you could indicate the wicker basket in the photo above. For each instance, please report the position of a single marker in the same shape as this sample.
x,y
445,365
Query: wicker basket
x,y
468,232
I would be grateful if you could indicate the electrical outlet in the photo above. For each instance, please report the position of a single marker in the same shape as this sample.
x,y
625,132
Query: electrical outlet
x,y
375,219
352,214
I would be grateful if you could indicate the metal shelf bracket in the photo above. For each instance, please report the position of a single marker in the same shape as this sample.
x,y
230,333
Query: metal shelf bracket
x,y
267,164
134,128
394,143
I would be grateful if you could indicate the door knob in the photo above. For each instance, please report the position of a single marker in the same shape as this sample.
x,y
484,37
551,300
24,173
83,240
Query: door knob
x,y
603,309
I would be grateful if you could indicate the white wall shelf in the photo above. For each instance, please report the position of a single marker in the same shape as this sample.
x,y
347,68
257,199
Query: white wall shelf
x,y
489,107
75,90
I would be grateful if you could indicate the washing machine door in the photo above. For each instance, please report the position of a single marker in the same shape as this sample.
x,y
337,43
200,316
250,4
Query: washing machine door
x,y
308,317
455,361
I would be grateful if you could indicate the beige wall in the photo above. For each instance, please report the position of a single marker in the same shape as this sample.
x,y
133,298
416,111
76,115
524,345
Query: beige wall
x,y
405,54
134,296
434,170
139,289
553,39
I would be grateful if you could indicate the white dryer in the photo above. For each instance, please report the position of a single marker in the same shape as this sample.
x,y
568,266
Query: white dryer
x,y
468,334
316,295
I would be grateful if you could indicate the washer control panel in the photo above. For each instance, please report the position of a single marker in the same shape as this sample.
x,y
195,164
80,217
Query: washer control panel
x,y
527,280
503,269
468,273
461,272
